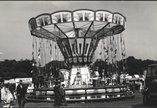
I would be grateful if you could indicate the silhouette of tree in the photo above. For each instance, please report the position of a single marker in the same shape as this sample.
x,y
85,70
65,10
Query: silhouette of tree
x,y
14,69
23,68
133,65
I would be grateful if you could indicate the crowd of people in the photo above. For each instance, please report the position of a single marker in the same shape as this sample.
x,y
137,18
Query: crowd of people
x,y
9,95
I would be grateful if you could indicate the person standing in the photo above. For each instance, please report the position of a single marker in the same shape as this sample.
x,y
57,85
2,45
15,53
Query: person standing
x,y
9,98
95,78
77,79
62,94
61,76
11,89
21,92
57,100
3,95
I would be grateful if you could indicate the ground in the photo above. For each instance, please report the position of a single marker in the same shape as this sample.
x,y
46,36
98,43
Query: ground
x,y
136,102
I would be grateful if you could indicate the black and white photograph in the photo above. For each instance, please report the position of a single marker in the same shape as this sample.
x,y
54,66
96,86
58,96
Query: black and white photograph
x,y
78,54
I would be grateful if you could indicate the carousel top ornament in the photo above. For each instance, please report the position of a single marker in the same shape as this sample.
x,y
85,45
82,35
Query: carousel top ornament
x,y
77,32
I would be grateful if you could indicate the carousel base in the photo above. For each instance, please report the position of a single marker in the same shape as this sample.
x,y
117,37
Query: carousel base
x,y
85,94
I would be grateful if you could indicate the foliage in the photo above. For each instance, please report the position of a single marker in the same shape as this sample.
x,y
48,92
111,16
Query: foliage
x,y
131,64
23,68
15,69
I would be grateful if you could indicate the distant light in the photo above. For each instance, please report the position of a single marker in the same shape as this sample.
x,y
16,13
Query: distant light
x,y
51,59
1,53
38,28
39,57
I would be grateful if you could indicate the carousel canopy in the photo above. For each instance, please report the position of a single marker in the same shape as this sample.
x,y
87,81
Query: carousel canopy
x,y
68,24
77,32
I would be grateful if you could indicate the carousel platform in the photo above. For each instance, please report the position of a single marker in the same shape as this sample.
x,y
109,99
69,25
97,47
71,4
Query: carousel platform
x,y
83,94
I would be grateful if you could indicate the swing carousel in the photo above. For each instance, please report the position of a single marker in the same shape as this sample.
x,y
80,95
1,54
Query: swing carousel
x,y
79,38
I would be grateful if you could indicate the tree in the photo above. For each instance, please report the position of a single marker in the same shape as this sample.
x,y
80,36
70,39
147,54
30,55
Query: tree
x,y
14,69
132,65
